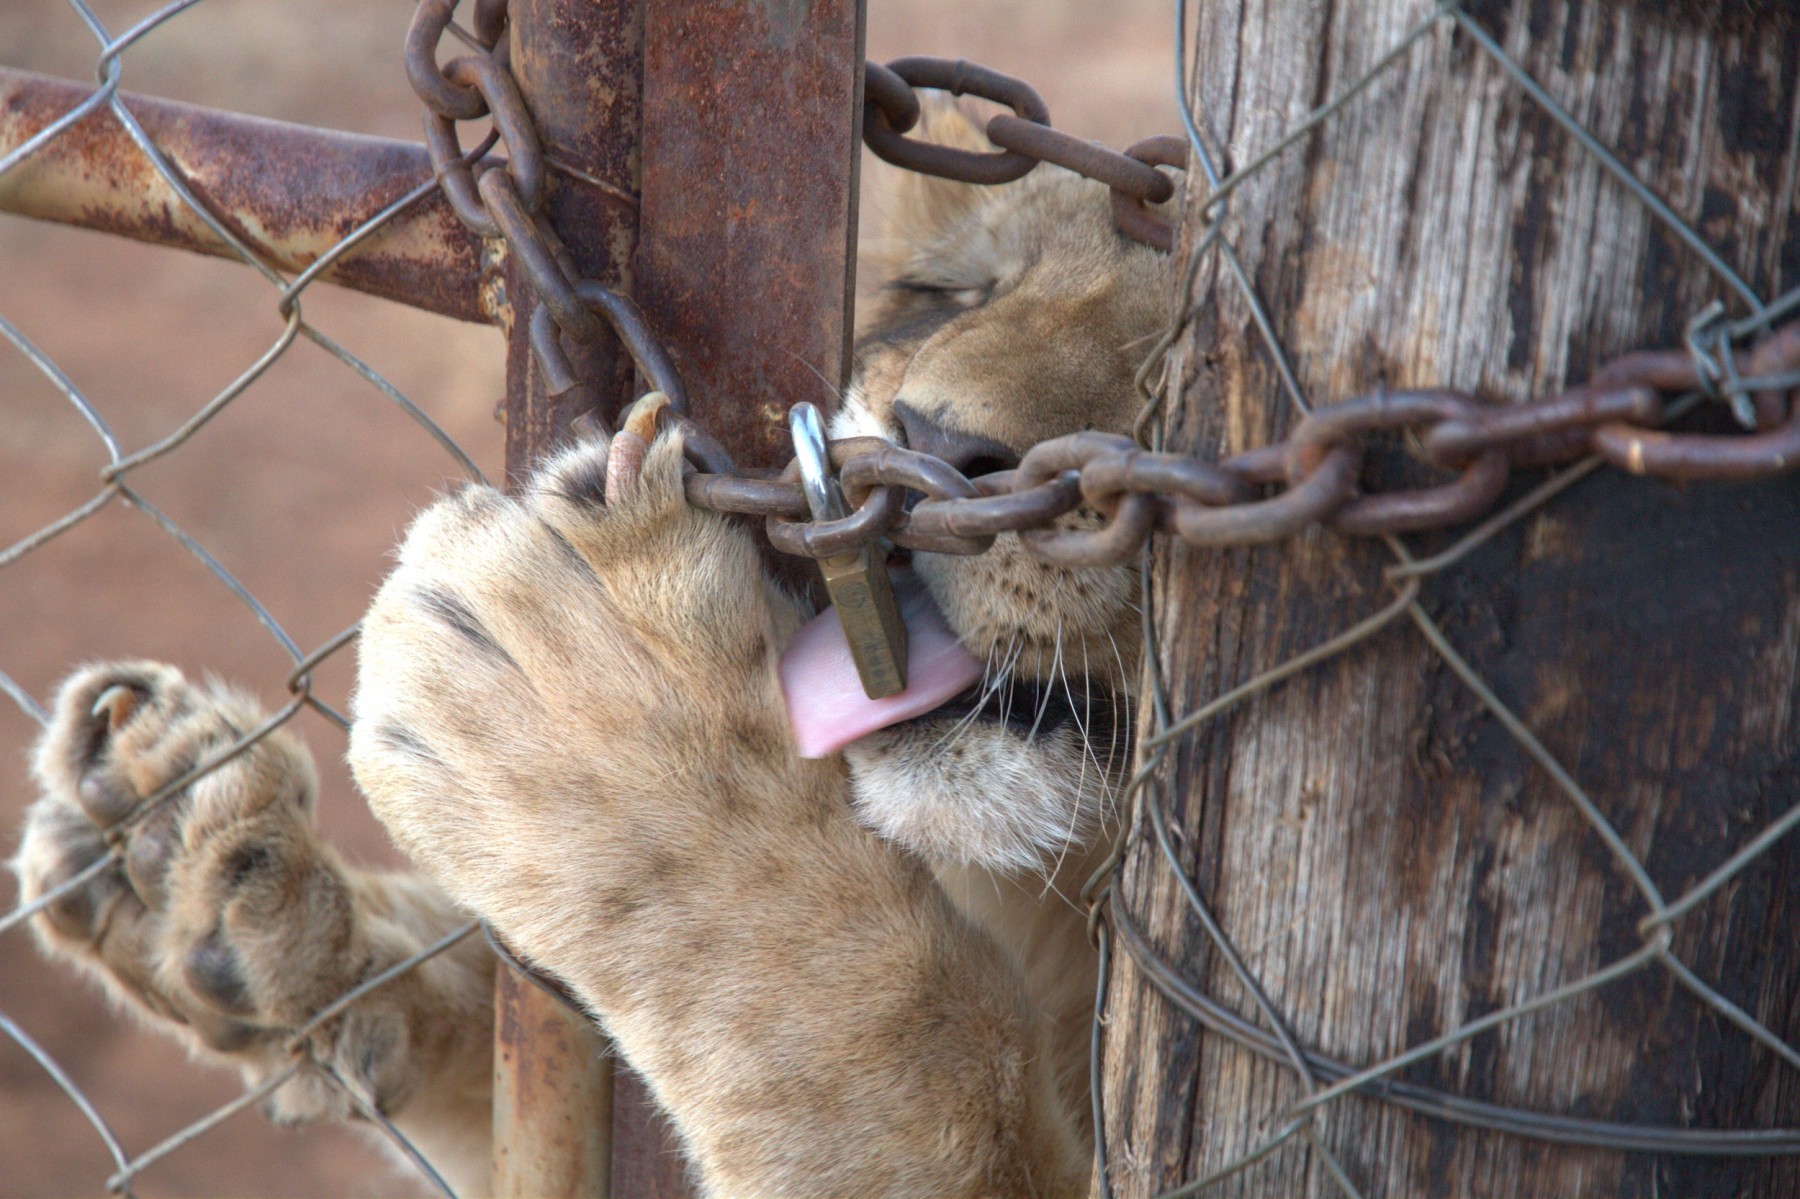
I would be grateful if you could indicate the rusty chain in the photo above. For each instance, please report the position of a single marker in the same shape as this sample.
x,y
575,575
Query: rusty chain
x,y
1133,491
505,198
1092,499
891,108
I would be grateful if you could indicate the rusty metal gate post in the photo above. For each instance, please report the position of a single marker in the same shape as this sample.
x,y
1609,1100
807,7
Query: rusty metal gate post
x,y
578,65
704,160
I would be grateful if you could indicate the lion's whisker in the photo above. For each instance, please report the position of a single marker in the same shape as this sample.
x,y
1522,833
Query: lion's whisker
x,y
1044,703
990,683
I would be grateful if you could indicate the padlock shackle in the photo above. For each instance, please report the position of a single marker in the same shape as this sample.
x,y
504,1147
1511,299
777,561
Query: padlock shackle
x,y
824,496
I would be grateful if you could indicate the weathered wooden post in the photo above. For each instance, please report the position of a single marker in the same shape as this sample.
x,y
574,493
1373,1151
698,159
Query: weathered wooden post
x,y
1384,854
722,139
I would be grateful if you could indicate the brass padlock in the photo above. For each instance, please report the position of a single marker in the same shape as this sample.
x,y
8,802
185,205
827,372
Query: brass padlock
x,y
858,582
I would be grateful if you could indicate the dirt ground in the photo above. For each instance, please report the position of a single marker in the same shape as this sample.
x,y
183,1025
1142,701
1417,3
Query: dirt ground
x,y
299,488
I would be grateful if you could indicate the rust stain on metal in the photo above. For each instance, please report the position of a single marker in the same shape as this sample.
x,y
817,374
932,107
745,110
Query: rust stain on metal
x,y
289,192
552,1096
579,67
752,129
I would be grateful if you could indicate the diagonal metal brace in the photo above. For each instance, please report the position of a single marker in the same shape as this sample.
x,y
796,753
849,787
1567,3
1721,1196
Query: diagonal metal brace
x,y
291,192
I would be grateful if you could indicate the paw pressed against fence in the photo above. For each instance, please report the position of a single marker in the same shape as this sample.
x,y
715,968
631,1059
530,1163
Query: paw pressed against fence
x,y
110,865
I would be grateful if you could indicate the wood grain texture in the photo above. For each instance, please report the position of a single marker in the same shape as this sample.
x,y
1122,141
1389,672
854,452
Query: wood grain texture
x,y
1378,847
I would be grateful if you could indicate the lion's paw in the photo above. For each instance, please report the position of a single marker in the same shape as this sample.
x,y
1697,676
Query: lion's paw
x,y
550,666
219,914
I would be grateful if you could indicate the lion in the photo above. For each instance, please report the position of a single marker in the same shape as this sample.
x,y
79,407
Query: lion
x,y
860,972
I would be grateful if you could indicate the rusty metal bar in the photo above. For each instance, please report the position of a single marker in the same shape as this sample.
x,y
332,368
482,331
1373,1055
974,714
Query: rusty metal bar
x,y
647,1158
553,1095
752,137
708,156
289,191
579,67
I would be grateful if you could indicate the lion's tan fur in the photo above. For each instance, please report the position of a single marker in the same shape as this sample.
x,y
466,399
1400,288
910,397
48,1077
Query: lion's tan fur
x,y
862,976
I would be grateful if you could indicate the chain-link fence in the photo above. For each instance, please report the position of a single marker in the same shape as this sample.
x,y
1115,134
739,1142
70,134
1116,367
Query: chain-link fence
x,y
1721,363
117,553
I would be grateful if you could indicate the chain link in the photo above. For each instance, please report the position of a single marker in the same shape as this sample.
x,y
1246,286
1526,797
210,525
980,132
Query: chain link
x,y
891,108
504,199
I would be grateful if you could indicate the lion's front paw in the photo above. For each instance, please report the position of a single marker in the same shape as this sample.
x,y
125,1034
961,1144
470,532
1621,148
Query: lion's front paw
x,y
573,665
220,915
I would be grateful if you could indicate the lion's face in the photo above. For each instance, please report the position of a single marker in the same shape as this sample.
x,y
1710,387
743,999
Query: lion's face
x,y
1008,315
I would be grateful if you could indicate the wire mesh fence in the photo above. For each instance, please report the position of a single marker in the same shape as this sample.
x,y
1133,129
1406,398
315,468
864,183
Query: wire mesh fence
x,y
121,486
1323,1081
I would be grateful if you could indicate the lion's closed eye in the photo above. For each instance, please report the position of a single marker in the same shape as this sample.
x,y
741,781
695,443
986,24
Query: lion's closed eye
x,y
960,294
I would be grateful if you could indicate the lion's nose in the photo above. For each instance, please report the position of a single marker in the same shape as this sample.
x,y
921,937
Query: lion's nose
x,y
970,453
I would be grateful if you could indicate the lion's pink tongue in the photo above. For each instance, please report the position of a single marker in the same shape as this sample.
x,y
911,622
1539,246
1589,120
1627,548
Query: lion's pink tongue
x,y
825,701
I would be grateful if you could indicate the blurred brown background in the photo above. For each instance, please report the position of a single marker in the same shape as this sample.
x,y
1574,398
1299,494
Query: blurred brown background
x,y
299,488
